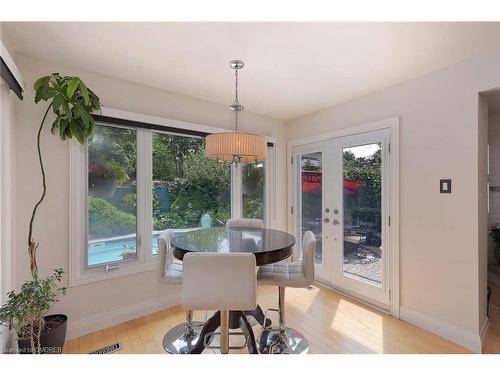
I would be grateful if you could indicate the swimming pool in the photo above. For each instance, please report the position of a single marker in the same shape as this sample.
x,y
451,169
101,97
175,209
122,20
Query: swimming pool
x,y
110,250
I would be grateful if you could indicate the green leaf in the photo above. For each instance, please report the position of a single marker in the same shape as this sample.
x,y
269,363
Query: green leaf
x,y
76,130
68,132
91,128
72,86
57,102
62,128
41,82
38,96
85,93
55,125
48,94
85,116
64,81
66,109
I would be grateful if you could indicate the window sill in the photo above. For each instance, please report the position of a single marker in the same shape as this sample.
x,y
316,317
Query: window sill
x,y
95,275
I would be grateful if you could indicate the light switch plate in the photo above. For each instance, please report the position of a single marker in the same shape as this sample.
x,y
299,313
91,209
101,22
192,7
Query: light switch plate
x,y
445,186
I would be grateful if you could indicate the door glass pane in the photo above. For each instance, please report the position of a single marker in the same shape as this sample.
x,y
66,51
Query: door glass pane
x,y
112,199
362,213
311,191
252,190
189,190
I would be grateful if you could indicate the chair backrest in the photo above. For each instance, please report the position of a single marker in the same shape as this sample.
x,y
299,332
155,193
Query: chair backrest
x,y
219,281
165,253
308,250
169,271
245,223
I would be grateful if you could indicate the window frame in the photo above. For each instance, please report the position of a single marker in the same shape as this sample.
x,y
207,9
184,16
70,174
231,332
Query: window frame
x,y
237,200
79,272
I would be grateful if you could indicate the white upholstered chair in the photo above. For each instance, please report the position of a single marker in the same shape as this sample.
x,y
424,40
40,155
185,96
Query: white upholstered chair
x,y
245,223
222,282
297,274
185,335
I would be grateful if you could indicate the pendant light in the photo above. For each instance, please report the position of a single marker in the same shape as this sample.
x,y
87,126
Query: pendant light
x,y
236,146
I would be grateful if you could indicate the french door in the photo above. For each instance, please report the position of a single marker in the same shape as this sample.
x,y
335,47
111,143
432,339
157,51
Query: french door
x,y
341,188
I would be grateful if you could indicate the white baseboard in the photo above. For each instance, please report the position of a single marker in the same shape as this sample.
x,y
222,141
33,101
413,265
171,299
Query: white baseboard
x,y
8,340
460,336
484,332
123,314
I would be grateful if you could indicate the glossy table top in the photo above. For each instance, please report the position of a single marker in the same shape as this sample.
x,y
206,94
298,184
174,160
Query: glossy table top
x,y
268,245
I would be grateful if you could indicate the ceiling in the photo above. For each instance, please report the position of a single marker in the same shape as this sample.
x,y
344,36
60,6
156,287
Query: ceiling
x,y
292,69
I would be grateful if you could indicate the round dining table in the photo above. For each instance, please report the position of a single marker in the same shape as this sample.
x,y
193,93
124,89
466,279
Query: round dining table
x,y
267,245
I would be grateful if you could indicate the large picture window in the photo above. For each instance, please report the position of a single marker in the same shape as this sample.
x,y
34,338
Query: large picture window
x,y
189,190
252,190
112,196
135,182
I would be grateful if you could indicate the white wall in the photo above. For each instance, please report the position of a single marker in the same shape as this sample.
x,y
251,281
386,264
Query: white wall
x,y
439,234
123,296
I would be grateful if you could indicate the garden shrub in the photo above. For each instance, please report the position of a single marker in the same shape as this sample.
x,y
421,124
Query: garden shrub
x,y
105,220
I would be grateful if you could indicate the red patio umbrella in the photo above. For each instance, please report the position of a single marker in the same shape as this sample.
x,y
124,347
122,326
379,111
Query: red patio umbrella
x,y
312,182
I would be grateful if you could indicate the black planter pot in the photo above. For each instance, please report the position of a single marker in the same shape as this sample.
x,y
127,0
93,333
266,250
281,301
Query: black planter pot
x,y
52,338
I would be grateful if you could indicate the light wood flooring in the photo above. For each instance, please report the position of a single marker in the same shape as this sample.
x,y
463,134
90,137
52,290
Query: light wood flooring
x,y
332,323
493,337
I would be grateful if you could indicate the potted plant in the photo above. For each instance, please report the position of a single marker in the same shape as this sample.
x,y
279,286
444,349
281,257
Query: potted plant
x,y
128,253
26,311
495,235
73,104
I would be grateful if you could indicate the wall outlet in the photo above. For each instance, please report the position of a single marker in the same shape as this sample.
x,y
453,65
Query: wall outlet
x,y
445,186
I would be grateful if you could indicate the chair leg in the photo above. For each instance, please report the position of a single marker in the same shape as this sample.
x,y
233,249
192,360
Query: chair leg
x,y
258,316
246,328
283,340
224,331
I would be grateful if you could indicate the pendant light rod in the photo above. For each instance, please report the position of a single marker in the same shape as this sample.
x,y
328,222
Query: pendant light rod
x,y
236,106
236,99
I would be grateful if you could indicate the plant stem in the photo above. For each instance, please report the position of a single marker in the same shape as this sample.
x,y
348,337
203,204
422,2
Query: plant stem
x,y
31,244
32,339
39,334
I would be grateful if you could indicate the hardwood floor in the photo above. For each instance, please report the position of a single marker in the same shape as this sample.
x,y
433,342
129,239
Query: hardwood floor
x,y
332,323
493,337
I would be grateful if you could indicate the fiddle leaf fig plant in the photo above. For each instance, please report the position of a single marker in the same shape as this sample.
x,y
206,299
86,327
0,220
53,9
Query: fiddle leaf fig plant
x,y
73,103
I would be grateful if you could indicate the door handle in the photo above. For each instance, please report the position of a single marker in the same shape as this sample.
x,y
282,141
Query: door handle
x,y
326,220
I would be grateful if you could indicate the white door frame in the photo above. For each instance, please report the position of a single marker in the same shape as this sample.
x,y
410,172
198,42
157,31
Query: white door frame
x,y
321,272
393,203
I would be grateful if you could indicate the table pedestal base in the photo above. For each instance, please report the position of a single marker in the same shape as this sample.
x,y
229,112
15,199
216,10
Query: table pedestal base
x,y
237,319
287,341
